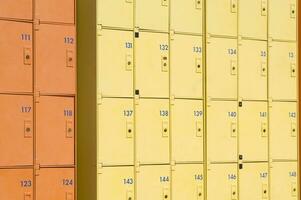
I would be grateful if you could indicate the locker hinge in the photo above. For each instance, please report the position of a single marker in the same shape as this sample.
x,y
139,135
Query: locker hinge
x,y
37,96
270,101
99,99
208,165
240,165
172,100
137,32
173,165
239,39
36,24
37,168
69,196
137,97
172,34
264,7
270,42
208,38
137,167
240,102
99,29
99,168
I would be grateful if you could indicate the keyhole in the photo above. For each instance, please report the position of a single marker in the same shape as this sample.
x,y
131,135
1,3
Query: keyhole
x,y
69,130
200,194
165,130
233,6
293,11
233,68
233,193
293,70
28,129
199,2
27,57
263,9
130,198
130,130
199,66
294,130
263,69
165,64
264,191
70,59
264,130
129,63
234,130
199,130
294,189
166,196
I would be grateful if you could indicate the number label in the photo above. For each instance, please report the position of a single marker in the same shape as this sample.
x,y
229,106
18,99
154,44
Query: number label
x,y
198,113
232,176
26,183
232,51
291,55
26,109
232,114
128,45
292,114
164,113
128,181
163,47
198,177
197,49
293,174
263,54
68,113
263,114
67,182
263,175
26,37
164,179
69,40
128,113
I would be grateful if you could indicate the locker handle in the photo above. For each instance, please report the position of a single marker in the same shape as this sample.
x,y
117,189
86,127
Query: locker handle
x,y
198,4
129,62
129,129
264,191
233,192
199,192
264,8
293,129
27,196
164,2
294,189
28,129
27,56
233,129
264,129
198,65
199,129
164,64
293,11
293,70
69,129
264,69
165,194
69,196
165,129
234,6
69,58
233,67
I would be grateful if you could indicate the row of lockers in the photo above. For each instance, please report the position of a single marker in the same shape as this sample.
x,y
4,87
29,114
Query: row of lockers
x,y
235,128
246,69
186,181
42,130
43,54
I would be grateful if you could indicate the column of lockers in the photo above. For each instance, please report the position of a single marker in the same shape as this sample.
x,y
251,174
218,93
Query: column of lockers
x,y
37,100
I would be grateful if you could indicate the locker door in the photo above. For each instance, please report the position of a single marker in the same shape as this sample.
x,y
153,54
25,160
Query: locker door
x,y
108,10
55,128
187,130
253,131
253,19
116,126
115,63
222,17
186,66
116,183
188,182
153,182
186,16
16,130
283,71
223,136
284,130
49,11
55,59
15,56
282,20
55,183
284,181
253,70
222,182
255,174
17,9
152,15
222,66
152,64
152,131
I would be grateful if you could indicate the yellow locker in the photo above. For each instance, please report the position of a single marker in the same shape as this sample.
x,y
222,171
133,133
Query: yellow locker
x,y
222,68
115,63
117,13
187,182
282,19
222,17
116,126
253,131
254,181
186,66
253,19
253,70
152,15
116,183
152,64
284,131
153,182
186,16
152,131
222,182
283,71
187,130
284,181
222,131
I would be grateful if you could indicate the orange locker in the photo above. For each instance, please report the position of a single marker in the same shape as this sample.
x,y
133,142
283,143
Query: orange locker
x,y
55,183
54,131
55,11
16,9
16,184
55,58
15,56
16,130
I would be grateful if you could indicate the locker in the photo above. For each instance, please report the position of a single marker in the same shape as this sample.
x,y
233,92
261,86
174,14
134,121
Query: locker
x,y
116,126
224,11
283,134
222,182
282,20
16,130
152,15
54,128
152,63
186,62
186,16
49,11
16,184
55,183
253,131
253,19
188,182
116,183
15,56
152,131
153,182
223,136
187,130
283,70
115,63
13,10
107,11
257,175
284,180
222,66
55,59
253,70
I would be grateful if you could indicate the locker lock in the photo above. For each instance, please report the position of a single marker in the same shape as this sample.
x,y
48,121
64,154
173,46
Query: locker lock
x,y
294,189
293,11
70,58
27,56
233,6
198,4
27,129
164,63
69,129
